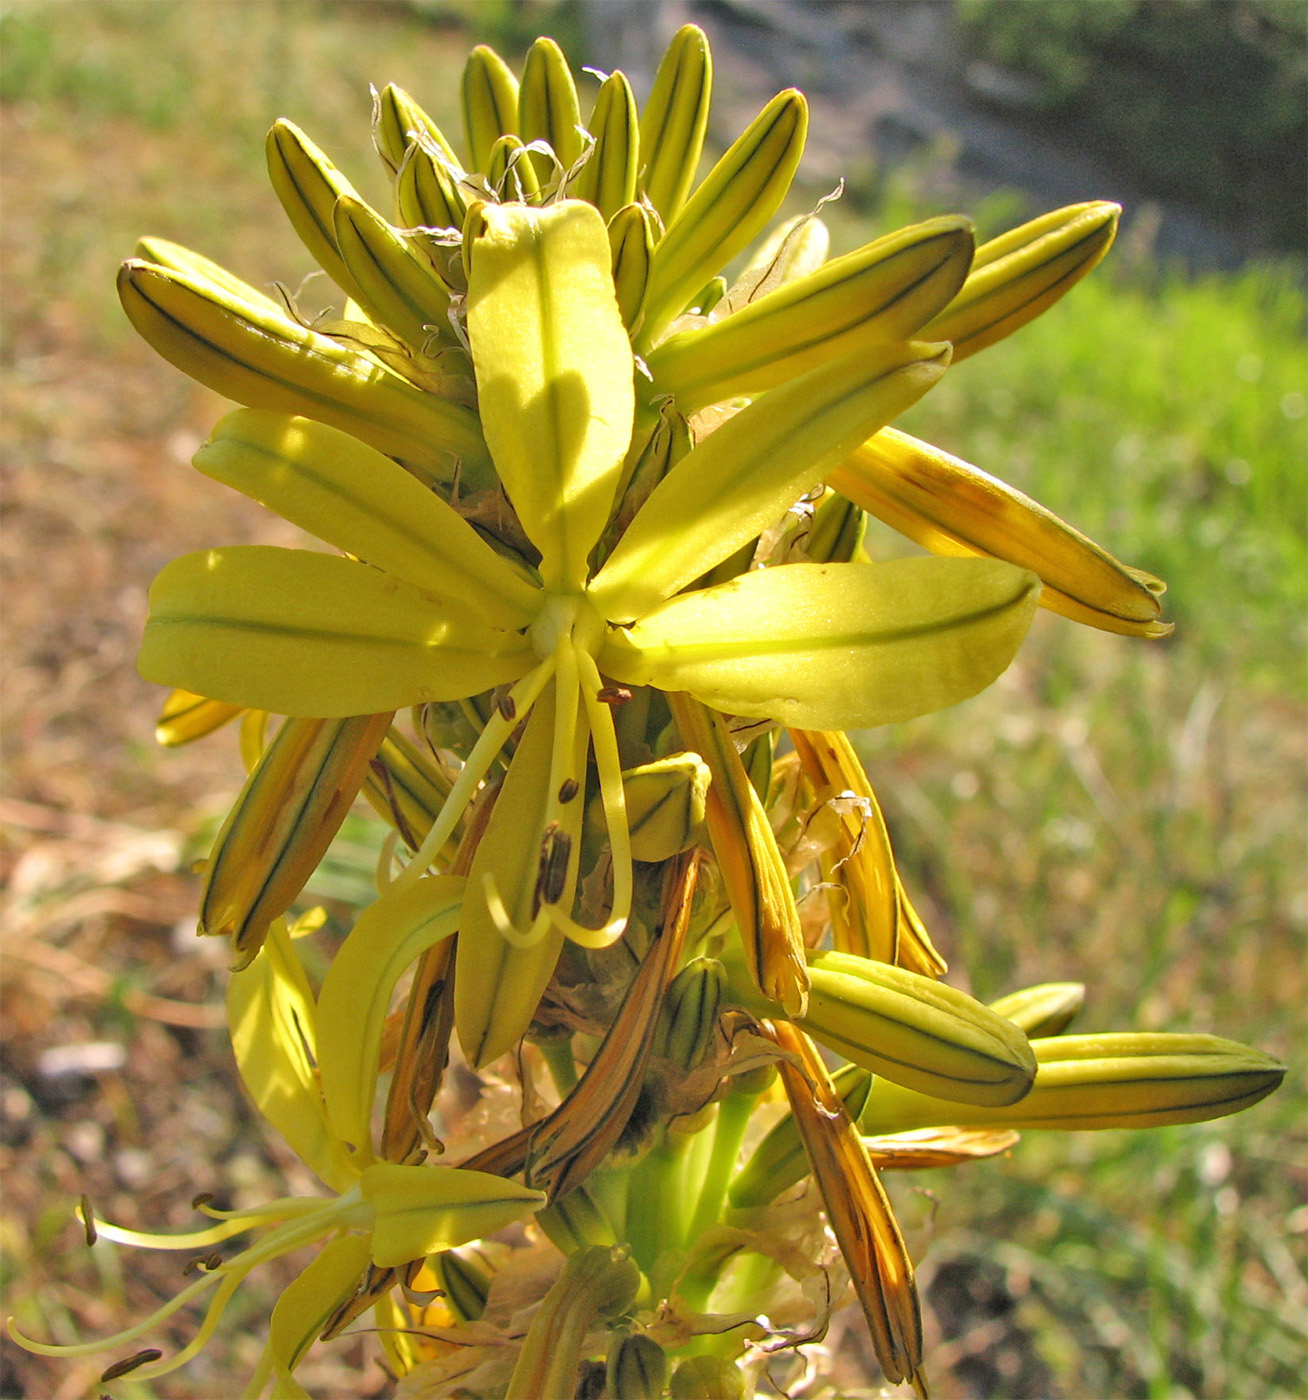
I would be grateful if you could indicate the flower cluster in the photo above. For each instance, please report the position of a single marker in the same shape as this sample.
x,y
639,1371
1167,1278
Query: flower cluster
x,y
596,617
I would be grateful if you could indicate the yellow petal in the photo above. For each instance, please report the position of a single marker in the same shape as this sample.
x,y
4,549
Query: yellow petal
x,y
547,103
752,867
497,984
608,178
490,103
917,1031
1024,272
258,356
351,496
554,373
289,811
743,477
307,1303
314,635
400,123
834,646
858,1209
356,993
674,121
273,1025
422,1210
1113,1080
185,717
729,210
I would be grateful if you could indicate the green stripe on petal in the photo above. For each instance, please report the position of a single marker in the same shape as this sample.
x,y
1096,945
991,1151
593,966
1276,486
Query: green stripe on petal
x,y
315,635
743,477
834,646
353,497
554,373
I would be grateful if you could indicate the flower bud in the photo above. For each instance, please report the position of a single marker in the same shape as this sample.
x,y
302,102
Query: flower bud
x,y
1122,1080
665,805
916,1031
637,1368
1044,1010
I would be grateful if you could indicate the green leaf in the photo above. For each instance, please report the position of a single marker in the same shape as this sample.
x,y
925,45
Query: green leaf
x,y
315,635
834,646
554,373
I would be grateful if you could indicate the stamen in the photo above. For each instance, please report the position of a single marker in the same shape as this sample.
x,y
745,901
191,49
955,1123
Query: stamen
x,y
504,926
385,859
568,789
484,752
613,695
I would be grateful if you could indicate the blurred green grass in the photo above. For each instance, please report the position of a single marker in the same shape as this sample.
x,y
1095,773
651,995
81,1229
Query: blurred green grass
x,y
1127,814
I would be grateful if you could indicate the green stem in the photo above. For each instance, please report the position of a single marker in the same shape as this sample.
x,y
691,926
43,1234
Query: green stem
x,y
734,1113
656,1201
560,1061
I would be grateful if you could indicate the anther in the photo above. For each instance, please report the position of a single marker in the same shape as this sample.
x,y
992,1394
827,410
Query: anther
x,y
568,789
613,695
202,1199
129,1364
88,1221
555,849
506,706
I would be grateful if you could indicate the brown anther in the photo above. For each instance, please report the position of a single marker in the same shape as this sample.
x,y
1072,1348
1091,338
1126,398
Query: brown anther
x,y
613,695
214,1261
568,789
202,1199
88,1221
555,850
506,706
192,1266
129,1364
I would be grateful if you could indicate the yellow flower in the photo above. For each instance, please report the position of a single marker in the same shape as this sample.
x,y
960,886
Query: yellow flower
x,y
311,1068
423,609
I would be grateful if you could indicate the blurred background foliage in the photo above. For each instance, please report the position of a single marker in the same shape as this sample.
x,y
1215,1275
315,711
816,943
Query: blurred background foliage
x,y
1201,98
1131,815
